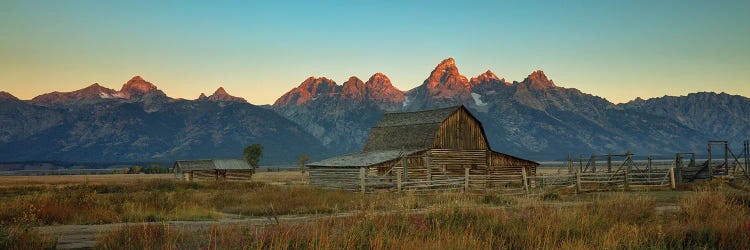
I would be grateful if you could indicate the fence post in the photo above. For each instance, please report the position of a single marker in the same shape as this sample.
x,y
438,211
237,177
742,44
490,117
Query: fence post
x,y
671,177
578,181
406,172
427,164
466,179
524,179
362,173
398,180
710,168
627,179
678,164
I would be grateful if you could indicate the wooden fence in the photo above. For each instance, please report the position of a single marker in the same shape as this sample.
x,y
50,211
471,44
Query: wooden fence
x,y
368,180
602,181
506,181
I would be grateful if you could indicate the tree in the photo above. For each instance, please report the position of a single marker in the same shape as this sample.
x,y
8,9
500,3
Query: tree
x,y
301,161
136,169
252,154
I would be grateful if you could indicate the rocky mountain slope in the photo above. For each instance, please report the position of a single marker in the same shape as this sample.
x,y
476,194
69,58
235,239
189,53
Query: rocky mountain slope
x,y
140,123
340,115
533,118
722,116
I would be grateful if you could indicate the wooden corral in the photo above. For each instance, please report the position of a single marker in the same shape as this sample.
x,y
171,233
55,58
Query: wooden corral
x,y
430,149
216,169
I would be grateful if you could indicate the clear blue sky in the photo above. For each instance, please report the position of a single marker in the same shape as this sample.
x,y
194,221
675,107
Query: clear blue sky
x,y
259,50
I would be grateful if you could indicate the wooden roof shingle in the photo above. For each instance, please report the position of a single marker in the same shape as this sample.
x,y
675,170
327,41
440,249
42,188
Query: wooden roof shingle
x,y
407,130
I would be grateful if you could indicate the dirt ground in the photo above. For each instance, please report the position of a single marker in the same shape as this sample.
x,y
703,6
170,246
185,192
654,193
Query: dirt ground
x,y
84,236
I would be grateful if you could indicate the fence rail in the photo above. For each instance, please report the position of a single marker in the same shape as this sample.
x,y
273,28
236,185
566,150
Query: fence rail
x,y
506,180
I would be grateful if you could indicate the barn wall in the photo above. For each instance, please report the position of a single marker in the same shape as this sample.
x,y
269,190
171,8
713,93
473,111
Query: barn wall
x,y
443,164
498,160
460,131
238,175
334,178
211,175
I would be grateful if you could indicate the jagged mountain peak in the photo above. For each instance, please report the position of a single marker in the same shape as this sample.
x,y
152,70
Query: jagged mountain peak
x,y
310,89
96,87
539,80
446,74
202,96
220,91
353,79
221,95
379,80
443,87
354,88
487,77
7,96
379,75
91,93
137,86
313,79
489,74
317,85
447,62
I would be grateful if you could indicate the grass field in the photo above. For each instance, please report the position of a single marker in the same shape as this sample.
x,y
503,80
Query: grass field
x,y
284,177
276,210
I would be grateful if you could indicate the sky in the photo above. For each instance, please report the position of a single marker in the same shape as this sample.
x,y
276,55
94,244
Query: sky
x,y
618,50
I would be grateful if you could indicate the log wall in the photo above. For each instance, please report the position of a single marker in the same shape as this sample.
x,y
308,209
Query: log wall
x,y
214,175
334,178
460,131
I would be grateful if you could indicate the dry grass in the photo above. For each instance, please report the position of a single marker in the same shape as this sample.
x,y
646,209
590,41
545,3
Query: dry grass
x,y
25,181
708,219
284,177
166,199
713,216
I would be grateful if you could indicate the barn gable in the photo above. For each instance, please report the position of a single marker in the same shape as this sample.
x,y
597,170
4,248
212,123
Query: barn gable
x,y
460,130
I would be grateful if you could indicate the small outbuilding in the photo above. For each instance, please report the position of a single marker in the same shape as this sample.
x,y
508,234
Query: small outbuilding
x,y
215,169
423,147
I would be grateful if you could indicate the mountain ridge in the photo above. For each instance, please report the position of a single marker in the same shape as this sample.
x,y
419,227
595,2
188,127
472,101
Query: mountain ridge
x,y
533,118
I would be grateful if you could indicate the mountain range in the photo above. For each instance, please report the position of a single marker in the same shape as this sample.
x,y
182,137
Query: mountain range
x,y
140,123
533,118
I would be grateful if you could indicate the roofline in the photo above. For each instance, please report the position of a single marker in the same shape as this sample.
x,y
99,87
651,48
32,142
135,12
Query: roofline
x,y
486,141
406,125
415,151
515,157
484,134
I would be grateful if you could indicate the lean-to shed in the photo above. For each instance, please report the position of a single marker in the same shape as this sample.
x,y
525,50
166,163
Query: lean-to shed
x,y
423,146
215,169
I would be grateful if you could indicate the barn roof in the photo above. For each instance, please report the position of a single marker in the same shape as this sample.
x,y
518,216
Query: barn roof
x,y
213,164
396,133
362,159
407,130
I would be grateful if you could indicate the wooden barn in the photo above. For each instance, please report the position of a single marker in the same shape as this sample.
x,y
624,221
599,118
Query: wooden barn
x,y
429,148
216,169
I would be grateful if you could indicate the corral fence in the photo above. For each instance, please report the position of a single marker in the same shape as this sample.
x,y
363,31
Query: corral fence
x,y
504,181
606,181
